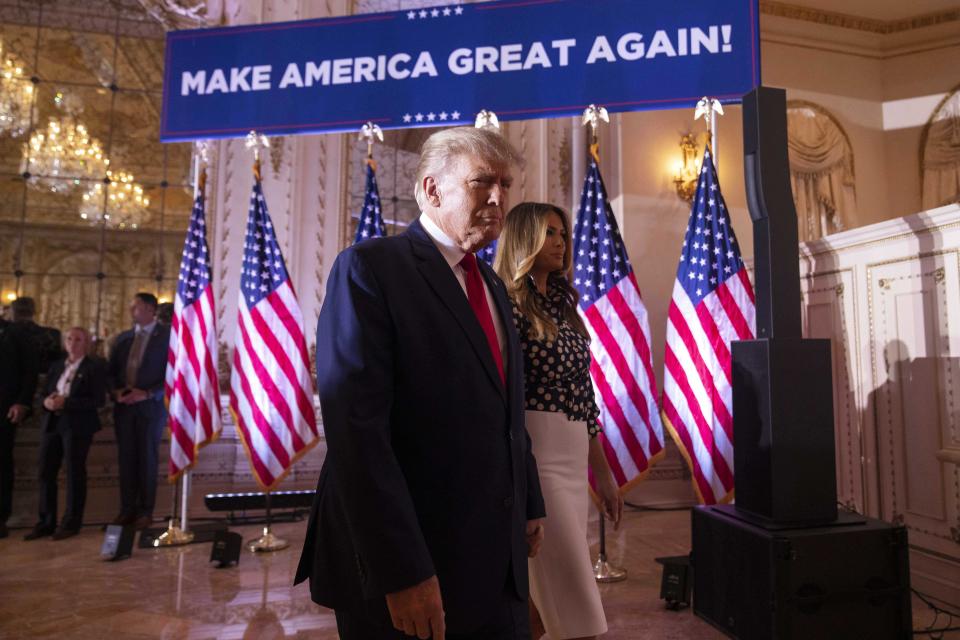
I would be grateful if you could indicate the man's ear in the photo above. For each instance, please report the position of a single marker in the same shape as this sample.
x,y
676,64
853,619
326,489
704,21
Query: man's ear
x,y
432,190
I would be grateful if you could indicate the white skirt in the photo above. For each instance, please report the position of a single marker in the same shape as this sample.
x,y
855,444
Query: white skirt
x,y
561,576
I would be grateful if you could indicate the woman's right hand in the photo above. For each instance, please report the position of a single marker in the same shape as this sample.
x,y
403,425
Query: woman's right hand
x,y
610,499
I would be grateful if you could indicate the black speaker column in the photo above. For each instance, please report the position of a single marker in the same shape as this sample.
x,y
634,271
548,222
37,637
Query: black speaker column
x,y
782,564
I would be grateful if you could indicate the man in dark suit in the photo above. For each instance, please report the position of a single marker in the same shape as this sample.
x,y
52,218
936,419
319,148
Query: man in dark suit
x,y
46,340
19,367
428,503
75,388
138,364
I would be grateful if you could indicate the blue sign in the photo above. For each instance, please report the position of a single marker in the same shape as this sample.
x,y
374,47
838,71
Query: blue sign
x,y
442,65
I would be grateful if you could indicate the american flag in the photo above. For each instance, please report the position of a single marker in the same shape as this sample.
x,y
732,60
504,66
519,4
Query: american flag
x,y
370,224
191,385
271,391
712,305
488,253
621,367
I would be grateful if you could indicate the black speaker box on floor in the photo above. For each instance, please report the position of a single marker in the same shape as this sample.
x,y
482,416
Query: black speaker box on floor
x,y
117,542
849,581
226,548
676,581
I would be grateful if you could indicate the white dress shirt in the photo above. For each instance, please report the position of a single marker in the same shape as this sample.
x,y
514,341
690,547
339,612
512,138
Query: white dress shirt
x,y
66,378
453,255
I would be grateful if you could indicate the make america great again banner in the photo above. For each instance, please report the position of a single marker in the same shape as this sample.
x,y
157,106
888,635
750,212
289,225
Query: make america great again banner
x,y
440,66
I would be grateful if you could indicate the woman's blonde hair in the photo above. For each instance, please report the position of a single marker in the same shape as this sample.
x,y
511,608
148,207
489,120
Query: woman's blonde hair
x,y
524,234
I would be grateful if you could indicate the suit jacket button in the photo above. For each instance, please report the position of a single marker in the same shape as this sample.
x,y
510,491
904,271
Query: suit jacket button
x,y
510,435
507,502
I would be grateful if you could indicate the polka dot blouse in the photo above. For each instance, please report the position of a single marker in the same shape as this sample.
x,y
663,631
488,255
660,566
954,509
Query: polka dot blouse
x,y
557,372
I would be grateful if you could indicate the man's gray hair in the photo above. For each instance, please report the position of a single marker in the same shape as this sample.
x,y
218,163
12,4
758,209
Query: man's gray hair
x,y
440,149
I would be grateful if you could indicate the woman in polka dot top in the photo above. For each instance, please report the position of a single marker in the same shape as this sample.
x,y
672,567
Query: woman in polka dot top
x,y
534,260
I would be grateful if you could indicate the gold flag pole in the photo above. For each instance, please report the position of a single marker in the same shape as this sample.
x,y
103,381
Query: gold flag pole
x,y
256,141
603,570
709,108
267,541
177,533
593,116
371,132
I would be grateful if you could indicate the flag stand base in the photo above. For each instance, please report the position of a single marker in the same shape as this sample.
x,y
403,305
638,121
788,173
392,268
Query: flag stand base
x,y
174,536
267,542
603,571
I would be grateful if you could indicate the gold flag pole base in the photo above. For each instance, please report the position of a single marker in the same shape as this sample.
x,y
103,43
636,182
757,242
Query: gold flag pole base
x,y
603,571
174,536
267,542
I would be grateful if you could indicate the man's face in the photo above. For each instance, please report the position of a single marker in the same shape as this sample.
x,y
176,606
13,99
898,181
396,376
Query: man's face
x,y
141,312
471,201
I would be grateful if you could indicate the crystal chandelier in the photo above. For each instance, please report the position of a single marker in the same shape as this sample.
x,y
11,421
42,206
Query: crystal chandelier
x,y
16,97
126,204
64,153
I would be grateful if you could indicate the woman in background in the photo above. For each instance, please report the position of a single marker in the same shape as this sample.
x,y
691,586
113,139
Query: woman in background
x,y
534,260
76,387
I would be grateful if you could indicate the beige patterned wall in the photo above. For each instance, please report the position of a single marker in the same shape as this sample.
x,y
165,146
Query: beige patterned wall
x,y
888,295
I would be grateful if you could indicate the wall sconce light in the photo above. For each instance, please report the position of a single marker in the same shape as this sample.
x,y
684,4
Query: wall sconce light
x,y
687,169
10,296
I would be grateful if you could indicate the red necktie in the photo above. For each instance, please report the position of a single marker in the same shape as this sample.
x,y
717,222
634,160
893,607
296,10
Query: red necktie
x,y
477,296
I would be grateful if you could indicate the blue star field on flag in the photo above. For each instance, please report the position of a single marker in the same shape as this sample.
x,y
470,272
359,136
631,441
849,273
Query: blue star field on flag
x,y
709,255
195,264
600,259
263,267
488,253
370,224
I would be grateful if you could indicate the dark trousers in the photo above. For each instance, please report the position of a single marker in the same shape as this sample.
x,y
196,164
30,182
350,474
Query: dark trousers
x,y
70,448
509,621
8,433
139,428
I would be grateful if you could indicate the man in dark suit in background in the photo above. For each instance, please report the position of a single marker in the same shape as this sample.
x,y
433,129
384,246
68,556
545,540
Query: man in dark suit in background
x,y
138,364
75,388
19,367
428,503
47,340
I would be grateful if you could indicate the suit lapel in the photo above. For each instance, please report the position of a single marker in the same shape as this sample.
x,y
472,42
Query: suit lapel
x,y
54,376
78,375
439,276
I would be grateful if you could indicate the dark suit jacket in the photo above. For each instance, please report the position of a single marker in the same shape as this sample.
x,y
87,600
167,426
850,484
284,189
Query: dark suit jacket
x,y
429,468
88,392
153,366
48,342
19,366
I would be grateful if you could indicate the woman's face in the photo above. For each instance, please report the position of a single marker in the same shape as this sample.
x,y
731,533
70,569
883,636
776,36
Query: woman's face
x,y
550,258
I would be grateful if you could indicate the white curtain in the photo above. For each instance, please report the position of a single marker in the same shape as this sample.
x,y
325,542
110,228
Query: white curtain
x,y
821,173
941,156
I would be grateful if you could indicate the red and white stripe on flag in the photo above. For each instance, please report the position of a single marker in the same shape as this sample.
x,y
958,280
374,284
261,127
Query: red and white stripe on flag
x,y
271,389
621,364
712,305
191,386
622,373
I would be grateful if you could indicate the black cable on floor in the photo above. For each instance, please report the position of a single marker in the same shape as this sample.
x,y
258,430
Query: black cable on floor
x,y
641,507
931,630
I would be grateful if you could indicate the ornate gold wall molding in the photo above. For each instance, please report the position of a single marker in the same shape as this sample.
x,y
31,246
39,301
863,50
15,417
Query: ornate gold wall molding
x,y
858,23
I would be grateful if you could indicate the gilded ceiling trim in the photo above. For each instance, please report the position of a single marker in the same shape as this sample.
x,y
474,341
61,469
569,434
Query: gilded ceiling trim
x,y
858,23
